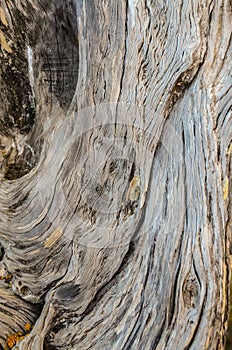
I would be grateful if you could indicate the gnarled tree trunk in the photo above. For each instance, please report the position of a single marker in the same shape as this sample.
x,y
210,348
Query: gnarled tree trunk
x,y
115,209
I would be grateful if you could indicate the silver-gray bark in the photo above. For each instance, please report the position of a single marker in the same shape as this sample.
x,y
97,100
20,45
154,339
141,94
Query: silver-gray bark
x,y
115,155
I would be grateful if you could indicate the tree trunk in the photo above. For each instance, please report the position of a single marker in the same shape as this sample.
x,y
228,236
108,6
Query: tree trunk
x,y
115,154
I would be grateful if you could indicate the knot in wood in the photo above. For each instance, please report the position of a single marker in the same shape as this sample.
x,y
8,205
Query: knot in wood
x,y
190,292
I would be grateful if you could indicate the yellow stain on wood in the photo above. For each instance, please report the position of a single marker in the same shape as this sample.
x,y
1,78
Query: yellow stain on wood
x,y
27,327
6,278
4,44
134,189
54,237
230,149
226,188
14,339
3,17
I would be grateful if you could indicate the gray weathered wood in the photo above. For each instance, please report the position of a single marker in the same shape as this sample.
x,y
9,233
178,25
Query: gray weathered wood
x,y
115,200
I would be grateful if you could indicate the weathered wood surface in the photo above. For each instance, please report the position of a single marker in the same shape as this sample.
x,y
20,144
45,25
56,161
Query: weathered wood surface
x,y
115,193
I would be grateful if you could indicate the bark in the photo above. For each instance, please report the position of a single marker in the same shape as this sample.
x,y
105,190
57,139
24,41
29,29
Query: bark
x,y
115,194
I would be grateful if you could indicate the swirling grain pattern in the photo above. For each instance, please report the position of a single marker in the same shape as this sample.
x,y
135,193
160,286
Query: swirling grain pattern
x,y
115,151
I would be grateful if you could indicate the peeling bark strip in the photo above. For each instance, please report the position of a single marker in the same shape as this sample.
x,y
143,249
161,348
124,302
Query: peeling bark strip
x,y
115,196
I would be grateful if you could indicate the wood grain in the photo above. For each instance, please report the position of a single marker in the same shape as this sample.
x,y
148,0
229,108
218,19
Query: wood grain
x,y
115,196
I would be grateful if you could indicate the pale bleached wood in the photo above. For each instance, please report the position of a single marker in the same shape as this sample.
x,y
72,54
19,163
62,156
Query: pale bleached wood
x,y
115,193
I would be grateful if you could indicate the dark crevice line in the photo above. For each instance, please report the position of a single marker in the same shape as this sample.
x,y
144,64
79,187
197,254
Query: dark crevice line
x,y
194,334
42,7
19,202
149,23
133,167
172,304
125,52
6,2
51,289
225,94
185,176
155,342
226,110
103,289
10,327
182,88
228,252
54,283
133,333
166,197
137,325
175,97
8,309
172,100
174,288
211,11
143,61
196,273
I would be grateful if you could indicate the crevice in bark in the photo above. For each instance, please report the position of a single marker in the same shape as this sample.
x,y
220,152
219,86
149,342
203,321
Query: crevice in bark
x,y
106,74
125,52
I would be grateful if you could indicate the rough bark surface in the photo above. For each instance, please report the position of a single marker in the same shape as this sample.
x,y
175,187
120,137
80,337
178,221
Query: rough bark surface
x,y
115,151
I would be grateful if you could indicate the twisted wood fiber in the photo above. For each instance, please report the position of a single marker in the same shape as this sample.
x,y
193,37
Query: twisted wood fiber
x,y
115,201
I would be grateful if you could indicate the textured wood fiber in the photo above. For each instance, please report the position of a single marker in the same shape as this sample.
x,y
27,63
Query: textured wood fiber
x,y
115,196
